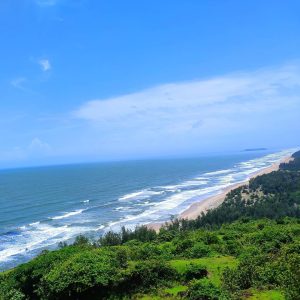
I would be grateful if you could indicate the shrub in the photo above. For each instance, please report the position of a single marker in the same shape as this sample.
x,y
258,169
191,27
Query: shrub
x,y
198,250
204,290
290,279
195,271
110,239
210,238
8,291
149,273
84,273
80,240
182,245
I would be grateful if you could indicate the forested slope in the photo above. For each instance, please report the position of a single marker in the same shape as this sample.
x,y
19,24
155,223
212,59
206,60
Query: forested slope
x,y
272,195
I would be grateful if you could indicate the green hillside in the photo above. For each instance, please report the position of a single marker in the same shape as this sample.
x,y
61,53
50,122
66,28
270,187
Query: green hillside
x,y
248,248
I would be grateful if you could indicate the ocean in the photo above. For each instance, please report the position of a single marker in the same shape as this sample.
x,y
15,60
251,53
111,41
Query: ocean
x,y
42,206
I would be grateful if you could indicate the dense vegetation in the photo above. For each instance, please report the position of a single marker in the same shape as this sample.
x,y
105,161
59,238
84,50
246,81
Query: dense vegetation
x,y
248,248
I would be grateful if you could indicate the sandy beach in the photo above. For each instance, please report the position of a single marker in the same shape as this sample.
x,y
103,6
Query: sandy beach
x,y
214,201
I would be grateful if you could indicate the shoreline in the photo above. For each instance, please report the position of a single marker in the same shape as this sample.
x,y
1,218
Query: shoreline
x,y
211,202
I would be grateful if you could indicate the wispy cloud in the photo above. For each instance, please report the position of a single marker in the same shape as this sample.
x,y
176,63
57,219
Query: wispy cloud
x,y
18,83
44,64
37,145
200,100
199,113
35,149
23,84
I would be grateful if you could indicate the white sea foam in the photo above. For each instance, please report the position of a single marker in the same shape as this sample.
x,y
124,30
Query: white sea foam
x,y
146,203
123,208
34,223
227,179
185,184
68,214
38,236
131,195
140,195
218,172
194,182
166,206
85,201
119,208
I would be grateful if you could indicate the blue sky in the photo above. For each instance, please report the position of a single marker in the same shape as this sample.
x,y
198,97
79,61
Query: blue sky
x,y
99,80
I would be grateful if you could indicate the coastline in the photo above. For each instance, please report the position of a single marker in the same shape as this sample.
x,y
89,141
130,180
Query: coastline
x,y
198,207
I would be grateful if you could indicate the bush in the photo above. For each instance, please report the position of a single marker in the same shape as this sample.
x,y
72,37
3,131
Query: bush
x,y
8,291
87,273
110,239
232,247
26,277
195,271
239,279
204,290
198,250
80,240
147,274
182,246
290,279
210,238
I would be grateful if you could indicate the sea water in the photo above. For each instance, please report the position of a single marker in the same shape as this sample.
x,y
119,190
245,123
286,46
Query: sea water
x,y
42,206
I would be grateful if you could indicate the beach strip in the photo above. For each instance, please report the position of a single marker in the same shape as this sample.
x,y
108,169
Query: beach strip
x,y
211,202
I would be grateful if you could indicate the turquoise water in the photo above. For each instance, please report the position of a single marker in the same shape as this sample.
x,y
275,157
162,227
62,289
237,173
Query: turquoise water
x,y
43,206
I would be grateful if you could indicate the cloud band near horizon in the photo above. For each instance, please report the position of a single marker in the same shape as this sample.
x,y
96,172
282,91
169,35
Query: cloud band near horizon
x,y
230,112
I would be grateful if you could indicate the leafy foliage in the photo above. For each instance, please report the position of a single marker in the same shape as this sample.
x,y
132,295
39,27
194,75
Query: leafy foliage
x,y
266,257
205,290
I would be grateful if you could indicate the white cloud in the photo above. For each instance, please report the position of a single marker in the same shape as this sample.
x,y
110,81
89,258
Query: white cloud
x,y
201,105
234,111
45,64
18,82
35,149
36,145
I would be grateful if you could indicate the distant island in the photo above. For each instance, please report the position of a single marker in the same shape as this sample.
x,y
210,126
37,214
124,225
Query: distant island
x,y
255,149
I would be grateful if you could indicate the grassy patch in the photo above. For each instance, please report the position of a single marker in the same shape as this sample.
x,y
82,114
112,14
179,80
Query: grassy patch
x,y
215,266
265,295
148,297
175,290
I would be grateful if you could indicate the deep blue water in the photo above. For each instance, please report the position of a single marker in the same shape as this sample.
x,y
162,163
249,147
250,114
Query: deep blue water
x,y
40,207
